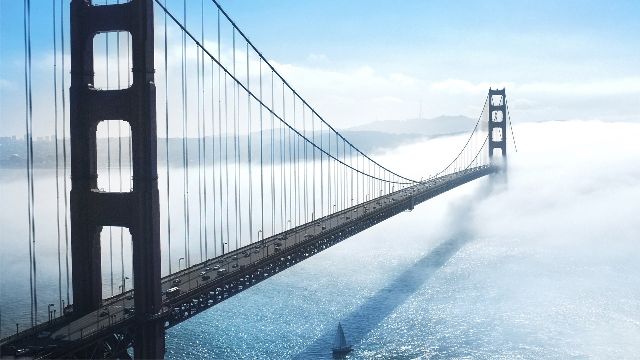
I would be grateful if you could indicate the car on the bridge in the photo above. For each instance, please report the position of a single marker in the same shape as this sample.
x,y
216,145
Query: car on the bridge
x,y
205,277
173,292
22,352
177,281
222,271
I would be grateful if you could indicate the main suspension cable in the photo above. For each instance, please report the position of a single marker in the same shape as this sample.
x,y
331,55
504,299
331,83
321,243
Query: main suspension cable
x,y
285,83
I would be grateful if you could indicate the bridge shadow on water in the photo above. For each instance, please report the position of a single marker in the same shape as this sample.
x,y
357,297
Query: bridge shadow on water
x,y
370,314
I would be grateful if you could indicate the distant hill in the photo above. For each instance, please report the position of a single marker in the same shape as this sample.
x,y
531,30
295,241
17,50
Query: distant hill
x,y
370,138
440,125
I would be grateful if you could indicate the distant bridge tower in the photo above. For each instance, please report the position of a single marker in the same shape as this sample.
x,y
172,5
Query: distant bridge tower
x,y
497,123
137,210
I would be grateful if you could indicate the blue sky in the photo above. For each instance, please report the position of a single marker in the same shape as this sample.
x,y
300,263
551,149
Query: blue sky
x,y
558,38
359,61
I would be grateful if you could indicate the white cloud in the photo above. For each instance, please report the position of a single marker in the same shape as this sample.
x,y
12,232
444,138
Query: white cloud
x,y
355,95
389,99
607,87
622,86
457,86
349,95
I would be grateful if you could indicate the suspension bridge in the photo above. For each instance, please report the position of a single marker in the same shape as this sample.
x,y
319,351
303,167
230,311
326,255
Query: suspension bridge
x,y
218,174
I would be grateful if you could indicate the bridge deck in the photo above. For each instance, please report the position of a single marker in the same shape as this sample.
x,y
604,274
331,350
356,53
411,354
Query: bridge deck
x,y
204,285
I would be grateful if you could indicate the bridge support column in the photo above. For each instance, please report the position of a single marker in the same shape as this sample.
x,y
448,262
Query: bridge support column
x,y
137,210
497,124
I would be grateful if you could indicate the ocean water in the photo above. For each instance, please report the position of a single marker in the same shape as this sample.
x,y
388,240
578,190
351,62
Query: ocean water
x,y
540,265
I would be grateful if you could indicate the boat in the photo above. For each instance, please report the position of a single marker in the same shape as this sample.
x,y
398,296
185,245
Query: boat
x,y
340,348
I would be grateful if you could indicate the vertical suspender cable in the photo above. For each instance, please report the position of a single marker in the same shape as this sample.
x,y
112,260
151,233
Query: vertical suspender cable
x,y
357,194
204,133
344,176
204,136
328,180
306,193
313,167
351,174
106,43
29,143
236,155
222,238
336,203
199,144
321,174
283,209
166,142
64,149
250,210
213,162
185,148
226,156
273,177
261,159
120,186
55,135
294,164
31,186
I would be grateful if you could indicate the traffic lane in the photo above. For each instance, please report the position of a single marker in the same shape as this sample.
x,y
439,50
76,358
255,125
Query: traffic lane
x,y
234,260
